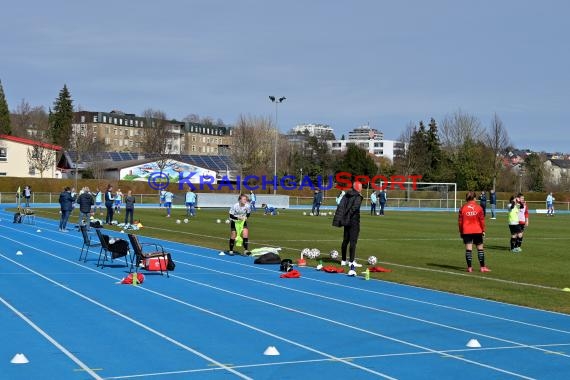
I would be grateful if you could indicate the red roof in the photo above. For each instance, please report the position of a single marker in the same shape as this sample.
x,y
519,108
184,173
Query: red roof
x,y
29,142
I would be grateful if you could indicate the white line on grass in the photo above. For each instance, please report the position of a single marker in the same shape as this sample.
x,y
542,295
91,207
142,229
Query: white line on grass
x,y
300,345
405,298
52,340
406,285
487,278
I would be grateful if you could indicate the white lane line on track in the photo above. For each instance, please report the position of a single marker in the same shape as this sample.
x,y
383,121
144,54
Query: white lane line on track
x,y
248,266
414,300
52,340
121,315
312,361
274,335
352,327
312,294
300,345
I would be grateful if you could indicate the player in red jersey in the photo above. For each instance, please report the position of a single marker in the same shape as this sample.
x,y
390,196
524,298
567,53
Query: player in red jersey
x,y
471,223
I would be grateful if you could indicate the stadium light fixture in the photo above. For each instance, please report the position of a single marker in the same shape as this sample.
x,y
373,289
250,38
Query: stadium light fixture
x,y
276,101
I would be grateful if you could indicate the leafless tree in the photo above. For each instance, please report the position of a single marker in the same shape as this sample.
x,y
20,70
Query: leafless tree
x,y
497,140
253,144
157,137
41,157
458,128
405,161
28,121
192,118
21,118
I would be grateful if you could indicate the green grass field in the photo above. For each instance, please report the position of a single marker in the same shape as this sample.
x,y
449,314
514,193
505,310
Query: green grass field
x,y
421,248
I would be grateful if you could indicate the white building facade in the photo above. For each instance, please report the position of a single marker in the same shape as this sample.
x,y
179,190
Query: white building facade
x,y
313,129
379,148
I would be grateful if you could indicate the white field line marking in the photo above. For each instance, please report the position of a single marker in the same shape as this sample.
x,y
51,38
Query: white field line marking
x,y
74,358
405,285
248,266
343,325
400,315
121,315
311,361
206,311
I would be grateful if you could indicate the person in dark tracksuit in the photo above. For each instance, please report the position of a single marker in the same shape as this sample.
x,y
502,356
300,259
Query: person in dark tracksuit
x,y
109,201
66,206
129,207
347,215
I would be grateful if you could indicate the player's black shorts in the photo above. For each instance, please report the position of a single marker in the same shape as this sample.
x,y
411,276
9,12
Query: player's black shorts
x,y
233,225
472,239
522,226
515,228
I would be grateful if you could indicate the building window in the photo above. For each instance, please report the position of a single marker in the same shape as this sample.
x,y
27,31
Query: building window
x,y
115,131
104,119
2,174
95,118
82,120
193,148
193,138
32,170
107,140
3,154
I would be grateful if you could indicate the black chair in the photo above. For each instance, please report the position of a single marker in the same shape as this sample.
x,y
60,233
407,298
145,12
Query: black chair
x,y
140,257
87,243
111,251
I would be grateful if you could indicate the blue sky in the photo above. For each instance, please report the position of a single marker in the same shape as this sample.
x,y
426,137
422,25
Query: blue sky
x,y
342,63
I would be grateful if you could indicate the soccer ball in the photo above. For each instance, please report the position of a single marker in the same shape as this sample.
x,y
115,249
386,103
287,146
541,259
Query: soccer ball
x,y
315,253
218,221
178,221
185,220
372,260
334,254
304,213
227,221
305,252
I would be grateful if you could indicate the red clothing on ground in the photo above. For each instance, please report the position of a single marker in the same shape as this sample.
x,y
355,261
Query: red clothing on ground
x,y
471,219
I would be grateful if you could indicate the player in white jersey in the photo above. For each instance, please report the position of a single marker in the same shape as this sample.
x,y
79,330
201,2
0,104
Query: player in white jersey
x,y
239,213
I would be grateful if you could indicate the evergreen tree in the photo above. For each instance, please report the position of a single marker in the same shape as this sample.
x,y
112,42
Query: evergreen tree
x,y
61,118
435,153
5,127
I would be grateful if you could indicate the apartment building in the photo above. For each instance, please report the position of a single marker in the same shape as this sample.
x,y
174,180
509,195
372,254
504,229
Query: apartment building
x,y
124,132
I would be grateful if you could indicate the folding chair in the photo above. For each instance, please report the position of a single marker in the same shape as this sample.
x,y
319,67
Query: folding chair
x,y
107,248
145,259
87,243
28,216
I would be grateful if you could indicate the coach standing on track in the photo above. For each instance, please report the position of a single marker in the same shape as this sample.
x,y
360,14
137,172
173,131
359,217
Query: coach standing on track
x,y
347,215
471,229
